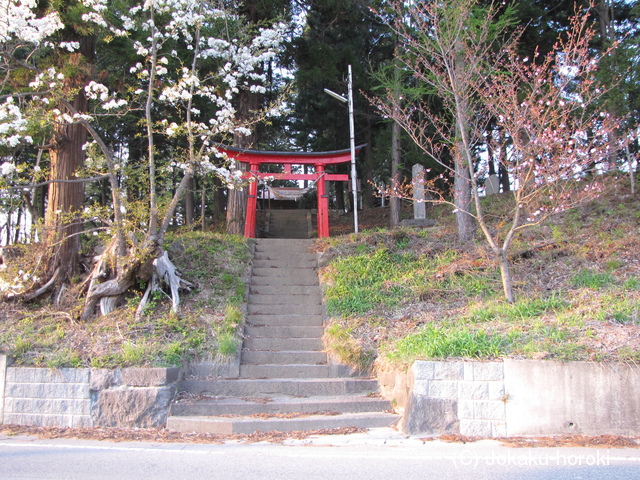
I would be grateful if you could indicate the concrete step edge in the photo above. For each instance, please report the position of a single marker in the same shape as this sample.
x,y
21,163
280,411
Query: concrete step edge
x,y
290,370
212,406
248,425
271,357
241,387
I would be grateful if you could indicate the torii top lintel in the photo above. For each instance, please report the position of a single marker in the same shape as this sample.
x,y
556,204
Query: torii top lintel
x,y
318,159
290,158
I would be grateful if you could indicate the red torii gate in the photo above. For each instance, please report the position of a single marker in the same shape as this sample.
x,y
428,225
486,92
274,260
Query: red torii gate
x,y
319,160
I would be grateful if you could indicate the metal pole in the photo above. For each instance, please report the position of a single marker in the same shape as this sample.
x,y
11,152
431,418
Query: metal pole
x,y
354,179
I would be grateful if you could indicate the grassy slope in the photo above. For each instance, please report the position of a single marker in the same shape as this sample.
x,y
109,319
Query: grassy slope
x,y
407,294
47,335
396,295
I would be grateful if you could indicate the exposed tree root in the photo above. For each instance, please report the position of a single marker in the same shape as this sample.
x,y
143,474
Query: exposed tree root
x,y
164,272
113,276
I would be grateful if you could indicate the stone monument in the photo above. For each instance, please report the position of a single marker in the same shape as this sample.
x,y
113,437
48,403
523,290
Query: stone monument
x,y
419,200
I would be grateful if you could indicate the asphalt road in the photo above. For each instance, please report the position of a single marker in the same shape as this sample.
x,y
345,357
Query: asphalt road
x,y
363,456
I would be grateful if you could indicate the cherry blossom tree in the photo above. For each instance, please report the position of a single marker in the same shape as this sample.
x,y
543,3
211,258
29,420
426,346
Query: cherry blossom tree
x,y
222,59
546,107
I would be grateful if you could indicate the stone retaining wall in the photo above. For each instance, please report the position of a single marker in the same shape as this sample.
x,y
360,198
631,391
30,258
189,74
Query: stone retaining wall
x,y
47,398
485,399
515,397
83,397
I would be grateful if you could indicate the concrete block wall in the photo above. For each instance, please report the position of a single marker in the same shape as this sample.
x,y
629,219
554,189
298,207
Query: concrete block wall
x,y
515,397
47,398
129,397
456,397
476,389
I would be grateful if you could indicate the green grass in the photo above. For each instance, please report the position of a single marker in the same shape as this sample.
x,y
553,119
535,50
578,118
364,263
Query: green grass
x,y
361,283
444,342
526,308
228,344
592,279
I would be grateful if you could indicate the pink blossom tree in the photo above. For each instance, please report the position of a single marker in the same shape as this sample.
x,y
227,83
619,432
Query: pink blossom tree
x,y
557,141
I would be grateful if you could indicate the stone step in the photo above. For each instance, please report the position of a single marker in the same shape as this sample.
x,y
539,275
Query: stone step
x,y
300,387
284,371
283,272
283,298
284,262
247,425
296,245
290,221
289,224
261,343
283,331
285,281
288,234
284,309
286,290
279,405
293,248
291,230
283,357
281,252
290,217
285,320
277,253
290,211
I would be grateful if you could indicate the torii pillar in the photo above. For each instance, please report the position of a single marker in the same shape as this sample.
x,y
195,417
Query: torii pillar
x,y
323,203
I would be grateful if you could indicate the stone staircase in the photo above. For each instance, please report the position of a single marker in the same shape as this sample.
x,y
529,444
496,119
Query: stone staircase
x,y
285,381
289,224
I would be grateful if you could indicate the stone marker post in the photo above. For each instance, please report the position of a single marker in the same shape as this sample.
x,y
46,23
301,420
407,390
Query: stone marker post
x,y
420,195
417,179
492,186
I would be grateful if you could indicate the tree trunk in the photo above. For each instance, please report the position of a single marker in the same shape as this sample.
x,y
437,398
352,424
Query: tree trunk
x,y
219,198
9,229
505,273
491,161
203,203
248,104
18,221
395,203
189,204
463,164
503,170
503,176
236,207
62,222
237,197
462,199
632,171
462,156
339,187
